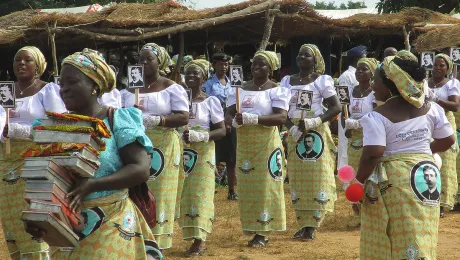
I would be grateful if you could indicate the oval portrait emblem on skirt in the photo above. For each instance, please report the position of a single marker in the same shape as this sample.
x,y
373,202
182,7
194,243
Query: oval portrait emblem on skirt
x,y
190,157
275,165
310,146
157,164
425,181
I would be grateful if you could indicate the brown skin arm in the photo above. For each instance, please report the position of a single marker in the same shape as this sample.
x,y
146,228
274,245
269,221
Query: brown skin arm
x,y
218,132
229,115
177,119
442,145
369,159
451,104
135,171
334,108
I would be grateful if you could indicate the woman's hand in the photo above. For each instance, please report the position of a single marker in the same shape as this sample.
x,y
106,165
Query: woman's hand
x,y
348,134
239,118
35,231
83,187
355,208
186,136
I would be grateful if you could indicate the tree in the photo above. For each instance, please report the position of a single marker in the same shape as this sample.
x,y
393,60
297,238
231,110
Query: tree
x,y
17,5
442,6
356,5
322,5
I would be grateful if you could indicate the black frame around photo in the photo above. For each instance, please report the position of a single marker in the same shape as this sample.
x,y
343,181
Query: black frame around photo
x,y
10,85
131,83
240,69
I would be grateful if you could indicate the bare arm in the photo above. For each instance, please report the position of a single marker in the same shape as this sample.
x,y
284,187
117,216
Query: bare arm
x,y
218,131
334,108
442,145
451,104
278,117
369,159
177,119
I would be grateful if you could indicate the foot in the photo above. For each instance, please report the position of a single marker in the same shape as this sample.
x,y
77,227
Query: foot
x,y
232,195
441,214
456,207
299,234
197,248
258,241
305,234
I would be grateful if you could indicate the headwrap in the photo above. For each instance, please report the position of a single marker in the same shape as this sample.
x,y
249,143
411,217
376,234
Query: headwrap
x,y
202,65
320,67
410,90
186,60
201,57
38,58
163,57
357,51
406,55
93,65
371,63
271,58
450,65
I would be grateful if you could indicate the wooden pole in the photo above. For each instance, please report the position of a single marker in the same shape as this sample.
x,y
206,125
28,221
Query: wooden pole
x,y
270,19
8,142
52,34
345,111
176,75
136,97
237,89
406,38
340,56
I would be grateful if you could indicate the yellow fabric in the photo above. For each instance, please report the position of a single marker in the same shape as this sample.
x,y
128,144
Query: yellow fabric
x,y
370,62
406,55
320,67
271,58
450,65
38,56
93,65
203,65
410,90
162,54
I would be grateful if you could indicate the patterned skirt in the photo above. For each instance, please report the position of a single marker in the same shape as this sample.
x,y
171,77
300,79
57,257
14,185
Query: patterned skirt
x,y
400,211
457,123
197,202
355,148
115,229
449,171
311,164
260,174
164,181
20,243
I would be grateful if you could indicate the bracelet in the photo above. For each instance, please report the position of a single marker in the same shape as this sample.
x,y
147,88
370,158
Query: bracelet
x,y
162,121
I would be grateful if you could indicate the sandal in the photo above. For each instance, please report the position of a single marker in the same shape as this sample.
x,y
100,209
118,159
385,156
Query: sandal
x,y
299,234
232,195
258,243
199,252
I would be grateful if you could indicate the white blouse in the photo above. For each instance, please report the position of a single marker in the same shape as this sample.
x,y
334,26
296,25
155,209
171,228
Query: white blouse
x,y
410,136
360,106
205,113
315,92
260,102
161,103
451,88
111,99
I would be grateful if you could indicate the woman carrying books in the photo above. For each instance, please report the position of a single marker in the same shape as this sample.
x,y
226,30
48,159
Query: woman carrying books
x,y
114,227
33,98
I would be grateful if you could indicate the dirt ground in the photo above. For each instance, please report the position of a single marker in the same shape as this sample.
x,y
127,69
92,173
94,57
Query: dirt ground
x,y
338,238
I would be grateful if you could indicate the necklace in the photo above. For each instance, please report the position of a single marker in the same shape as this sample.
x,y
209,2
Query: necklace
x,y
98,111
301,79
22,91
200,95
153,82
392,97
362,92
436,84
260,87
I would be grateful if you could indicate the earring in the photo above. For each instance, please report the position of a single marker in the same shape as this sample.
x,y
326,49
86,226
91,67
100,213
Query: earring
x,y
94,92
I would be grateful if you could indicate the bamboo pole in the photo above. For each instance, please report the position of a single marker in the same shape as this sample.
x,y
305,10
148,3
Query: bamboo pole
x,y
270,19
406,38
51,35
176,75
8,140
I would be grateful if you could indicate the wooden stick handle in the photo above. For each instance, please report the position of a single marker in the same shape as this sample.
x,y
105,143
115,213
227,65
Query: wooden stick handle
x,y
237,100
345,111
8,143
136,96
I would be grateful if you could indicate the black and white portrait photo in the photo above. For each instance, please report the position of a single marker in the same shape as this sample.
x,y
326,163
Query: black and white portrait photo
x,y
343,94
236,76
430,177
57,80
7,97
455,55
304,99
426,183
136,76
427,60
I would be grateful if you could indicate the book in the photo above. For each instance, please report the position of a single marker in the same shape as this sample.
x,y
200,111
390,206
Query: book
x,y
48,136
49,171
46,195
57,233
53,122
41,205
80,166
47,185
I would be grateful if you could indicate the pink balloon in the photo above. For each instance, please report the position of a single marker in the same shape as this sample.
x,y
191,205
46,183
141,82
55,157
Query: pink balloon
x,y
346,173
354,192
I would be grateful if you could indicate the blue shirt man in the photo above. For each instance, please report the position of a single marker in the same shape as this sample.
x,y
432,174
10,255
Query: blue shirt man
x,y
219,84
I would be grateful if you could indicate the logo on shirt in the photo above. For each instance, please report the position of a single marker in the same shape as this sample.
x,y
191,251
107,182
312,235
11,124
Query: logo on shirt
x,y
248,101
357,106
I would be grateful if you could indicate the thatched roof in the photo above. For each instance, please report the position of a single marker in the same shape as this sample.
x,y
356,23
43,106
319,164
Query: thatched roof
x,y
243,22
439,38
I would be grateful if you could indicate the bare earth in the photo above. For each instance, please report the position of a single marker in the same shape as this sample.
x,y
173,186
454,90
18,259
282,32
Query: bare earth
x,y
338,238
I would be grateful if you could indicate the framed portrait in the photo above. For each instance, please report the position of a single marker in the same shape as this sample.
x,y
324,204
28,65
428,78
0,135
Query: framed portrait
x,y
236,76
344,95
304,100
426,183
57,80
427,60
136,76
455,55
310,146
7,95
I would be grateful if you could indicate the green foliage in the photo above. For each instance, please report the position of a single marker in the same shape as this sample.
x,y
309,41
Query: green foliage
x,y
442,6
322,5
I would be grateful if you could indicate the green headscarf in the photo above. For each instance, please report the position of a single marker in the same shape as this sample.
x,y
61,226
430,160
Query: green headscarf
x,y
38,58
450,65
410,90
202,65
271,58
370,62
93,65
320,67
163,57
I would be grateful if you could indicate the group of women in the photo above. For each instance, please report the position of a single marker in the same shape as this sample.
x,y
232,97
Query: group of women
x,y
161,138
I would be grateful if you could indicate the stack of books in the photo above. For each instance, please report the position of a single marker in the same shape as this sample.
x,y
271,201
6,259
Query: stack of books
x,y
48,169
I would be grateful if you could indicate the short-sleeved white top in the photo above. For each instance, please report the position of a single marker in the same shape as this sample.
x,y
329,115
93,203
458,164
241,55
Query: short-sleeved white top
x,y
260,102
30,108
410,136
111,99
320,89
451,88
360,106
161,103
205,113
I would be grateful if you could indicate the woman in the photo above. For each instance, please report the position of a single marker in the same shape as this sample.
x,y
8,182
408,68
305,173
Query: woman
x,y
362,101
165,107
399,218
33,98
259,155
311,148
206,124
445,91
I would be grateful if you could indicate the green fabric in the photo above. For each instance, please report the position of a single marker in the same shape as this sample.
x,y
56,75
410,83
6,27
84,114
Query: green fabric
x,y
355,148
449,171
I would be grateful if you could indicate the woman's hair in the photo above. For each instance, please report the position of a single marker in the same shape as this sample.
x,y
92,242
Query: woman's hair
x,y
411,67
